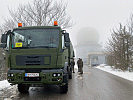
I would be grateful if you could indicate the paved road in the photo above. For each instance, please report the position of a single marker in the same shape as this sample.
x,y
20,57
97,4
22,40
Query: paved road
x,y
94,84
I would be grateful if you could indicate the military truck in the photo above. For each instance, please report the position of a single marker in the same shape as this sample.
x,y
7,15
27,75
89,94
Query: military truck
x,y
38,56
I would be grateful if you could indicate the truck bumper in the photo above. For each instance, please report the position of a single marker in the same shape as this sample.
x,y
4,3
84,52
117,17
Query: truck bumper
x,y
50,77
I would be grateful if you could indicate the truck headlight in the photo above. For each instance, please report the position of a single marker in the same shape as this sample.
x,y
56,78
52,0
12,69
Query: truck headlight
x,y
59,74
54,74
11,75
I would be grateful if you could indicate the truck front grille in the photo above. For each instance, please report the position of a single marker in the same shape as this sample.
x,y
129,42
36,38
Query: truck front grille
x,y
22,60
32,62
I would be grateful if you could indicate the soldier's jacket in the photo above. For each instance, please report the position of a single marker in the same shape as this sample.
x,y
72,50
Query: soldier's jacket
x,y
72,63
80,63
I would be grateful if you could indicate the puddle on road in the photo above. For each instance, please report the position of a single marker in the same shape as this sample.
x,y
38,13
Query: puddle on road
x,y
7,99
86,73
80,76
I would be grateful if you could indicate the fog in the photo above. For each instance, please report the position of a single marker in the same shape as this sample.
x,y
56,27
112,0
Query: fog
x,y
87,41
86,35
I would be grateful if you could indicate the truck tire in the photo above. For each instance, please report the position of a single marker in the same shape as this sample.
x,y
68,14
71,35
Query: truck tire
x,y
23,88
64,88
70,76
70,73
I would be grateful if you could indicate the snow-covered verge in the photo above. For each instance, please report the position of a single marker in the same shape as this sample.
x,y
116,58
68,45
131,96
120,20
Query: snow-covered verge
x,y
126,74
4,84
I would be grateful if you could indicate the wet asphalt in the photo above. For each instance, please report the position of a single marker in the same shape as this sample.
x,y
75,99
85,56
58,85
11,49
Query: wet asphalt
x,y
94,84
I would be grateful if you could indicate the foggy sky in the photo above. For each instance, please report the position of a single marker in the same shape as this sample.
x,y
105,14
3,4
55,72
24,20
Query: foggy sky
x,y
87,34
87,41
101,15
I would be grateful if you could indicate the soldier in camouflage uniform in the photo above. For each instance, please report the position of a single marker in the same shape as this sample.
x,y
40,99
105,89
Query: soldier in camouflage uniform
x,y
72,64
80,65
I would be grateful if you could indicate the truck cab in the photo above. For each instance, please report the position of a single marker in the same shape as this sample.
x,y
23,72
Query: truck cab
x,y
38,56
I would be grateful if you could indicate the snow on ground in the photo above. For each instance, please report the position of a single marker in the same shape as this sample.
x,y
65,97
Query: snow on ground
x,y
126,74
4,84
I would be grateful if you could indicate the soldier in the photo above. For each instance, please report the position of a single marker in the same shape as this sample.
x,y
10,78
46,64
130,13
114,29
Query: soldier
x,y
72,64
80,65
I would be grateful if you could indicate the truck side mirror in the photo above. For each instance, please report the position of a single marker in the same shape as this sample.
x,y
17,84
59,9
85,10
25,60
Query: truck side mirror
x,y
73,54
4,38
3,45
3,41
66,37
67,44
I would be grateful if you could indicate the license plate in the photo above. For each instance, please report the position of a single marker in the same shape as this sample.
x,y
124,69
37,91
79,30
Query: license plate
x,y
31,74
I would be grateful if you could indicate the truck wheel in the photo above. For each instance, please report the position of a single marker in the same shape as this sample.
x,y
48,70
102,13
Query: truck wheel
x,y
64,88
70,76
23,88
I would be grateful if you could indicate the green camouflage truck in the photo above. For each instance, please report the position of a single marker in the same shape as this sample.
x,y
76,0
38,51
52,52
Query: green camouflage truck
x,y
38,56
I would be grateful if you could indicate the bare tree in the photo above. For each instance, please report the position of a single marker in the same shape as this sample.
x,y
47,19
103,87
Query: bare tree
x,y
119,48
130,28
130,24
39,13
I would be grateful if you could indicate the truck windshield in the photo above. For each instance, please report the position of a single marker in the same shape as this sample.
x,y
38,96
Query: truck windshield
x,y
35,38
